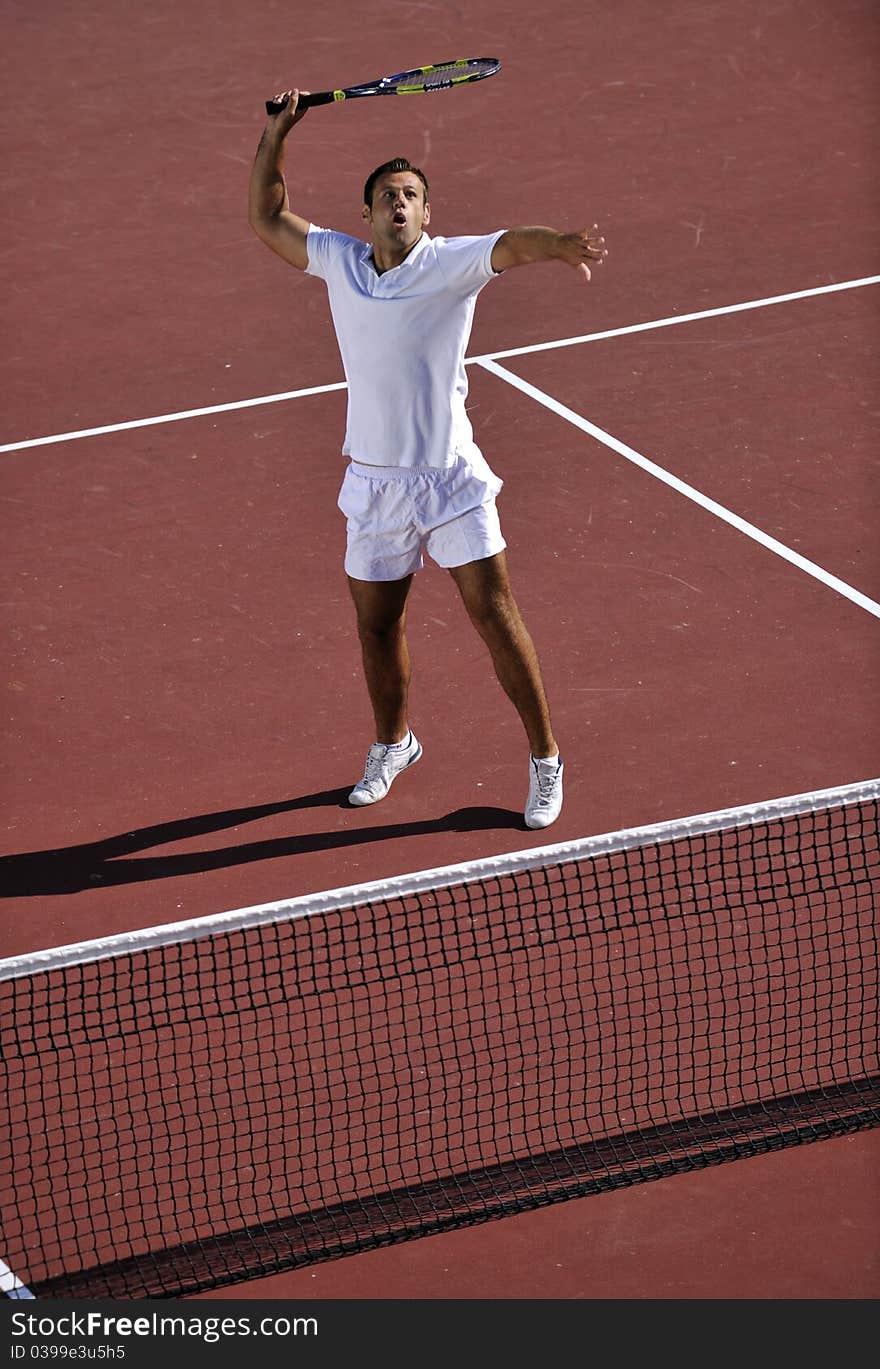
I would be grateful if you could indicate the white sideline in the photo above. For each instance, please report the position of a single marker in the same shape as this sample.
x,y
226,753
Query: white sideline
x,y
711,506
11,1285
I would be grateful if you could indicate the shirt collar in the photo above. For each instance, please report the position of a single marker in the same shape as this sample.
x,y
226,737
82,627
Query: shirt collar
x,y
416,251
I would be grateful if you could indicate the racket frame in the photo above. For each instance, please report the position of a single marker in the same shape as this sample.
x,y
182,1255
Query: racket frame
x,y
402,83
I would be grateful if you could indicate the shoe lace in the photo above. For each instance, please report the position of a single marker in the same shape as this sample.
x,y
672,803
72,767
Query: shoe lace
x,y
546,785
375,761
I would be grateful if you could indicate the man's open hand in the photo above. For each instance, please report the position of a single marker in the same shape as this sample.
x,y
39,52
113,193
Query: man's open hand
x,y
581,248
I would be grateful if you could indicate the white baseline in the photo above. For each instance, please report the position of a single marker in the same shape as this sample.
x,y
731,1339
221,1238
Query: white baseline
x,y
489,356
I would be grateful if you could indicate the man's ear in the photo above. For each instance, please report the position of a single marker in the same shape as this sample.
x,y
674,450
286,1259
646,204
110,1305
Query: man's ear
x,y
365,212
427,218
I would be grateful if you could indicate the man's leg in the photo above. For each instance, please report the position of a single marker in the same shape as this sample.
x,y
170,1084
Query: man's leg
x,y
488,598
485,589
381,620
381,617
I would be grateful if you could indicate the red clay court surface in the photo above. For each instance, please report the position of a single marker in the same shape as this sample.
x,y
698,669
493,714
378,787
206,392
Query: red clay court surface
x,y
183,665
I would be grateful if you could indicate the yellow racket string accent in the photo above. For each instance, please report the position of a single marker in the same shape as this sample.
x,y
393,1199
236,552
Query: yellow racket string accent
x,y
338,95
442,66
420,87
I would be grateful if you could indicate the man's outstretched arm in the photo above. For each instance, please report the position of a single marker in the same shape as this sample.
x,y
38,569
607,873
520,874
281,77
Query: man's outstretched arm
x,y
269,212
520,246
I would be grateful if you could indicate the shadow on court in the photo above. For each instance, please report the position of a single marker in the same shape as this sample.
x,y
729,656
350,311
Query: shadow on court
x,y
69,869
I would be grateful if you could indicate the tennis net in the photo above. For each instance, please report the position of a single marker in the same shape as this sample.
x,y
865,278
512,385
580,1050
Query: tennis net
x,y
204,1103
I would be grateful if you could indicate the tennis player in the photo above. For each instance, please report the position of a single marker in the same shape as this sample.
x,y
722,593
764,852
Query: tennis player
x,y
402,306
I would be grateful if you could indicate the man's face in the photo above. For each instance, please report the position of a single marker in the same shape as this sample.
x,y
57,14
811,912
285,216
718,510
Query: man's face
x,y
399,210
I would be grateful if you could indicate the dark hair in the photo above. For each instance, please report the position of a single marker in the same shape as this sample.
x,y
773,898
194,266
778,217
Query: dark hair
x,y
396,164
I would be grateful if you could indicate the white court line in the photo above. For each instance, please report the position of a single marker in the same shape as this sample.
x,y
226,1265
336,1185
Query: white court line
x,y
780,549
11,1285
679,318
173,418
490,356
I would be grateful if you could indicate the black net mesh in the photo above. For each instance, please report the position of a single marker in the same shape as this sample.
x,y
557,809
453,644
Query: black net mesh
x,y
187,1116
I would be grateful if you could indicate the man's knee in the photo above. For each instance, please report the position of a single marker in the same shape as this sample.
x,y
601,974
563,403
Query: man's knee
x,y
381,609
381,634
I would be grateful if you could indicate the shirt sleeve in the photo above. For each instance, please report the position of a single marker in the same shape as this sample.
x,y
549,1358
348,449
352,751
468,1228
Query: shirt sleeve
x,y
324,249
466,263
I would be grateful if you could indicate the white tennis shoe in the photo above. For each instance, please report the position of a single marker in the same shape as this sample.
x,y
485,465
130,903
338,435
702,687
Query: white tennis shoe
x,y
544,803
384,764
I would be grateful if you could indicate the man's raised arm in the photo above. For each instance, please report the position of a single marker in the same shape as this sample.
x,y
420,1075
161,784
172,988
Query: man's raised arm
x,y
269,212
520,246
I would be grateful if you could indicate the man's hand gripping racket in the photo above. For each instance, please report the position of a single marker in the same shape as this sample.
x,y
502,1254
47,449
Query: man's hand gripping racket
x,y
288,108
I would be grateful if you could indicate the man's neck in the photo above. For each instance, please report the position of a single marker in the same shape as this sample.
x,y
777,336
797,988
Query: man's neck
x,y
385,259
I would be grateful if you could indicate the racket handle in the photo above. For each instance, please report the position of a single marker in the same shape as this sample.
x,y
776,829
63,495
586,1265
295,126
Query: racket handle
x,y
320,97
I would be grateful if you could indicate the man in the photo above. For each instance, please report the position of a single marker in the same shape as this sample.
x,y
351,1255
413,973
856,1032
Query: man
x,y
402,308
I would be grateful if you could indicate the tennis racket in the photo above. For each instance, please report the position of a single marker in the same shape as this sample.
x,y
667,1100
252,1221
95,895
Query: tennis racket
x,y
441,76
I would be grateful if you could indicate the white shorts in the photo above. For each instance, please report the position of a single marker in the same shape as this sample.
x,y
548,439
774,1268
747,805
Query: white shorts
x,y
395,513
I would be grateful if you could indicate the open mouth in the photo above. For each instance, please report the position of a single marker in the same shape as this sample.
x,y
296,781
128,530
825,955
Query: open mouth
x,y
399,219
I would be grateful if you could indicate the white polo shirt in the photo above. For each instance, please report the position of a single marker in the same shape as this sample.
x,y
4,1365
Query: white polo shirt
x,y
402,337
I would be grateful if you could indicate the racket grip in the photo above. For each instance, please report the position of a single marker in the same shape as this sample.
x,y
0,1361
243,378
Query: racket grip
x,y
320,97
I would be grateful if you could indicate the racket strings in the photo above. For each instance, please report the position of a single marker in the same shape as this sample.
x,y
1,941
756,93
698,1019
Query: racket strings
x,y
444,74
